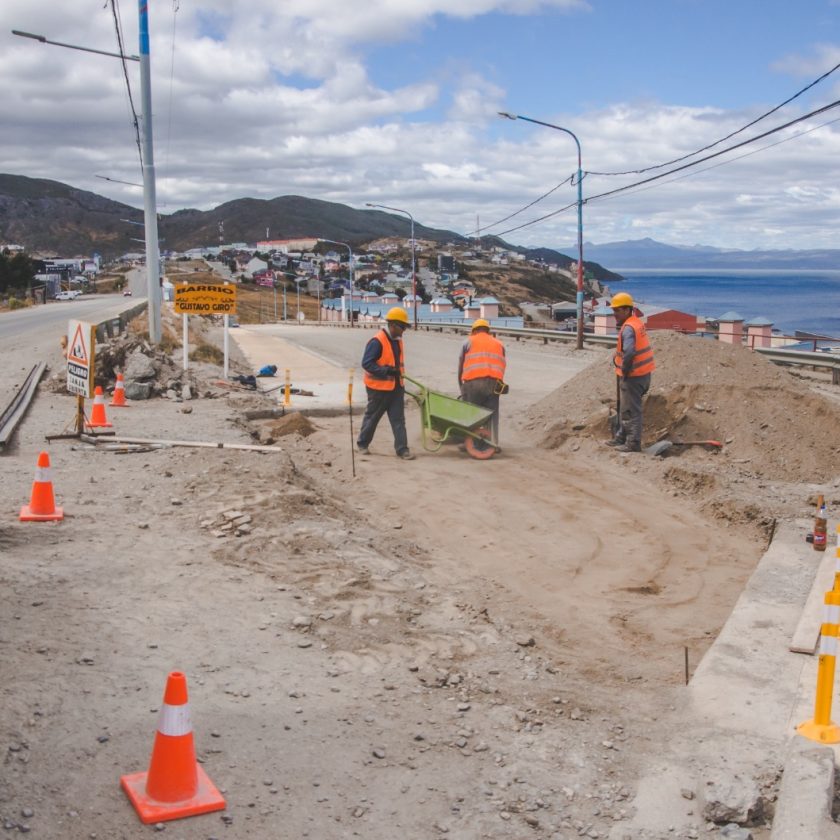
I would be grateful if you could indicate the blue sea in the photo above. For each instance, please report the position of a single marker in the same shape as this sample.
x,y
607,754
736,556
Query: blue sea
x,y
803,300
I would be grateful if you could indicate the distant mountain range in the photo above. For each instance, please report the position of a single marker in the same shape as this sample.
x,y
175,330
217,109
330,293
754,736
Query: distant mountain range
x,y
53,219
648,253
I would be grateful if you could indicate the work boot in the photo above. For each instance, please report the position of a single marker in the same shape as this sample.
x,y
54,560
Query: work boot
x,y
629,447
615,442
406,455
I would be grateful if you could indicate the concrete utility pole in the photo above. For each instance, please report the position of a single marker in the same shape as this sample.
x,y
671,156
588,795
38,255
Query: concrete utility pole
x,y
149,200
149,195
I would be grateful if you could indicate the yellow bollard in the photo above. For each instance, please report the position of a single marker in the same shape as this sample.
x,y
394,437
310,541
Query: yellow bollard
x,y
822,728
837,563
287,391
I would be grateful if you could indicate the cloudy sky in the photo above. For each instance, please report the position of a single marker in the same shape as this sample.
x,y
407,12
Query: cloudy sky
x,y
395,102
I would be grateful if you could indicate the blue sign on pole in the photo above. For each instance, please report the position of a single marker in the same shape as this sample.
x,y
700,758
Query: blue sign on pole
x,y
144,27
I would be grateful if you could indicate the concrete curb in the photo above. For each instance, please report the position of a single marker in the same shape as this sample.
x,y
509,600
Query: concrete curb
x,y
735,719
803,809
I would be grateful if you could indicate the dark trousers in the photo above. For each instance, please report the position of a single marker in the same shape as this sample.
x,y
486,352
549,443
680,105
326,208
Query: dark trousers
x,y
483,392
379,403
633,388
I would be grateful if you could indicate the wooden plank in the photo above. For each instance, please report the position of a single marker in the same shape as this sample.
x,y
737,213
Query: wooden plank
x,y
807,633
247,447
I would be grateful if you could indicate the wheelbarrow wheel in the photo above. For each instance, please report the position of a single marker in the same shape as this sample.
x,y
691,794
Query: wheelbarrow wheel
x,y
478,448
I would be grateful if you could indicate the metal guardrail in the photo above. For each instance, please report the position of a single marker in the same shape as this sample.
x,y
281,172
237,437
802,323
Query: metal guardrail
x,y
804,358
777,355
513,332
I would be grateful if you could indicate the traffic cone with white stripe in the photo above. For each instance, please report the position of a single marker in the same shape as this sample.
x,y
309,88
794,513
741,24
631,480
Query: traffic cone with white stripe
x,y
175,785
118,399
97,413
41,507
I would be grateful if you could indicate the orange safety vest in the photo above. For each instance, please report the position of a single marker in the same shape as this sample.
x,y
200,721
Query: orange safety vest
x,y
643,360
386,359
485,357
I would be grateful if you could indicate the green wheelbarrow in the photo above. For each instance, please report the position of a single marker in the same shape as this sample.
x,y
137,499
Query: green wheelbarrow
x,y
444,418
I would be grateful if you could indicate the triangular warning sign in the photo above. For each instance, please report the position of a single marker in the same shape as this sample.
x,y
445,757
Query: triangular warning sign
x,y
77,351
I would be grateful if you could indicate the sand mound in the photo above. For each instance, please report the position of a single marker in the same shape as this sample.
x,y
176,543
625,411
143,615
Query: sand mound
x,y
703,389
292,424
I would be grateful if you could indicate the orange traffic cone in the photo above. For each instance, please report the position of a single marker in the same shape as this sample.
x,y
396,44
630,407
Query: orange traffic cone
x,y
175,785
41,507
119,393
97,413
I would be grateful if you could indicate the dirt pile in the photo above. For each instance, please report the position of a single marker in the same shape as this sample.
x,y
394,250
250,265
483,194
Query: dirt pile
x,y
703,389
294,423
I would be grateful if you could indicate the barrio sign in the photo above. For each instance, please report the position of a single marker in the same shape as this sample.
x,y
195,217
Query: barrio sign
x,y
201,299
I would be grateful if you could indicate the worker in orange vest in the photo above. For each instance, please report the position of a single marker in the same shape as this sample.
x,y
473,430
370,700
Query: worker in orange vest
x,y
384,367
481,371
633,363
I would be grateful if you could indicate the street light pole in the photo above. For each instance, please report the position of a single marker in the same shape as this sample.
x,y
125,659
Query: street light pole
x,y
413,260
149,200
579,298
287,274
350,250
149,195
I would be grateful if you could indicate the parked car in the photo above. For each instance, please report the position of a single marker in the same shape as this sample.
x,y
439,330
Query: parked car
x,y
65,296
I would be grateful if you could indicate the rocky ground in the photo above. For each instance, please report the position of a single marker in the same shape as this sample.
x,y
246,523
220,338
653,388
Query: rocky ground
x,y
422,649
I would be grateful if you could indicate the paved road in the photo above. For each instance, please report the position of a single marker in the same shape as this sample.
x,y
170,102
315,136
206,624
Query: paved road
x,y
533,372
30,335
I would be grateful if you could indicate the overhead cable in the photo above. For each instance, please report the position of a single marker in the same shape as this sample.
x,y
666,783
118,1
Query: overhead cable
x,y
743,143
480,230
741,157
722,139
686,166
118,27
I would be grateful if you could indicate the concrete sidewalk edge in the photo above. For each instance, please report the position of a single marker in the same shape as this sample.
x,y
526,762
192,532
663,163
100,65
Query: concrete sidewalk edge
x,y
803,809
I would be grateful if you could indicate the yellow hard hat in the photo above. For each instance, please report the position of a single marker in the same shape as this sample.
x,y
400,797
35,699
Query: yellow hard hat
x,y
397,314
480,322
621,299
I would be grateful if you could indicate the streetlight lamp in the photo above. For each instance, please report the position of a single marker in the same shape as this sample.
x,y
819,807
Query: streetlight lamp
x,y
579,299
343,245
413,261
149,200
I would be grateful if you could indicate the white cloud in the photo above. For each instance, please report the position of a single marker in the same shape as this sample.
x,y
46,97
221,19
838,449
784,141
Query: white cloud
x,y
277,99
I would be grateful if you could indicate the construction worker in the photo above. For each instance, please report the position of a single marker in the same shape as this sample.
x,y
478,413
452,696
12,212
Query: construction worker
x,y
481,371
633,364
384,366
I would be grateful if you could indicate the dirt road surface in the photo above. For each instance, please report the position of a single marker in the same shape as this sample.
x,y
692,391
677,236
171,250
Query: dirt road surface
x,y
438,648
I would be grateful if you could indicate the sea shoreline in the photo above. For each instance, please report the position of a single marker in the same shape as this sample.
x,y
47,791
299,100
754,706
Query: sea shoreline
x,y
806,301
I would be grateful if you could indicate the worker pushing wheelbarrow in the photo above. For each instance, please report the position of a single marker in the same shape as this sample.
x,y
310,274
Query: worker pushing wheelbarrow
x,y
444,419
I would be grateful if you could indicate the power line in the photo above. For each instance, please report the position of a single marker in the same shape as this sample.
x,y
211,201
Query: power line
x,y
118,28
728,136
741,157
790,99
686,166
175,9
479,230
540,219
719,153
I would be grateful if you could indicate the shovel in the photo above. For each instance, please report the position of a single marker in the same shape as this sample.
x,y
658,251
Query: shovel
x,y
615,419
662,446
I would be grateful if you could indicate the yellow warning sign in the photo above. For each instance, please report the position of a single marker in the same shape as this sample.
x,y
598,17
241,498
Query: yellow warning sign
x,y
200,299
81,345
